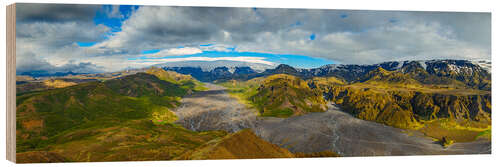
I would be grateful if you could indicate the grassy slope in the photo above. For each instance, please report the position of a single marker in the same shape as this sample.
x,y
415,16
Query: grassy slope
x,y
443,128
186,81
243,90
119,111
279,95
42,115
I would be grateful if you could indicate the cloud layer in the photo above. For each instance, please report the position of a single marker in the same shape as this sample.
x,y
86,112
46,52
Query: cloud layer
x,y
50,32
259,60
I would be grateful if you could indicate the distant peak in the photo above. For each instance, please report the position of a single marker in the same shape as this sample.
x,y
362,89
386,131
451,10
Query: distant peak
x,y
284,66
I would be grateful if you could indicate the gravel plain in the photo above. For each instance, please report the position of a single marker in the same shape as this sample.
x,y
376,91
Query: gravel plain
x,y
333,130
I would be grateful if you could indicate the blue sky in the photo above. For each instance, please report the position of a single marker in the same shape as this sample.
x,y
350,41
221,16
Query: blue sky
x,y
114,22
89,38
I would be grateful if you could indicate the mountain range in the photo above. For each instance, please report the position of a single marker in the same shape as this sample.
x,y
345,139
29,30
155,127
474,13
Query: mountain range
x,y
108,116
472,74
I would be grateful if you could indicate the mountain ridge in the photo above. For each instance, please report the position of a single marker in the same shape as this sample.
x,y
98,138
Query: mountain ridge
x,y
457,72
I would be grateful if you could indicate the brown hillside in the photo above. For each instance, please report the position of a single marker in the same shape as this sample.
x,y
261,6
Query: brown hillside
x,y
39,156
240,145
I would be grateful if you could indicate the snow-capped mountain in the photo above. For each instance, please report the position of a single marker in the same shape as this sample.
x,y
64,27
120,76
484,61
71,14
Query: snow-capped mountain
x,y
208,66
473,74
486,64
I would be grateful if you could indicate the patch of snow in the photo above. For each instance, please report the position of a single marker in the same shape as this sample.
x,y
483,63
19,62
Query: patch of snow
x,y
400,64
423,64
485,64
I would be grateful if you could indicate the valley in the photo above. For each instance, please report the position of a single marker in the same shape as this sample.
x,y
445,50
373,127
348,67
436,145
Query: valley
x,y
165,113
332,130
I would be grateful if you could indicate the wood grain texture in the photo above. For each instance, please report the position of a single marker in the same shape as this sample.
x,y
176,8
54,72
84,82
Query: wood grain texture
x,y
11,82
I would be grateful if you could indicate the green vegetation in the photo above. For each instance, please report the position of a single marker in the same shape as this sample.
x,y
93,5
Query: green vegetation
x,y
130,117
279,95
122,119
106,120
484,134
381,75
243,90
410,107
439,106
446,110
42,115
444,128
185,81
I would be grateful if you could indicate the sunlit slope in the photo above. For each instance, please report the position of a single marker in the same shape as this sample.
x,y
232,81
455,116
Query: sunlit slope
x,y
186,81
397,99
240,145
42,115
279,95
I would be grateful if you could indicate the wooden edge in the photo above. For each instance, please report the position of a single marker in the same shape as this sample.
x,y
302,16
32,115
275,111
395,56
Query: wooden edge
x,y
11,82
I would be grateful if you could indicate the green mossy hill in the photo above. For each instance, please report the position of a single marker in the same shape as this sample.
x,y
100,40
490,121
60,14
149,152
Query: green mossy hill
x,y
186,81
142,84
243,144
381,75
324,82
43,115
283,95
408,108
243,90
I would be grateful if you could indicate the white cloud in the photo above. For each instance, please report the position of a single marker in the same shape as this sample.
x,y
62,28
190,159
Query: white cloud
x,y
177,52
217,47
114,12
260,60
408,40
